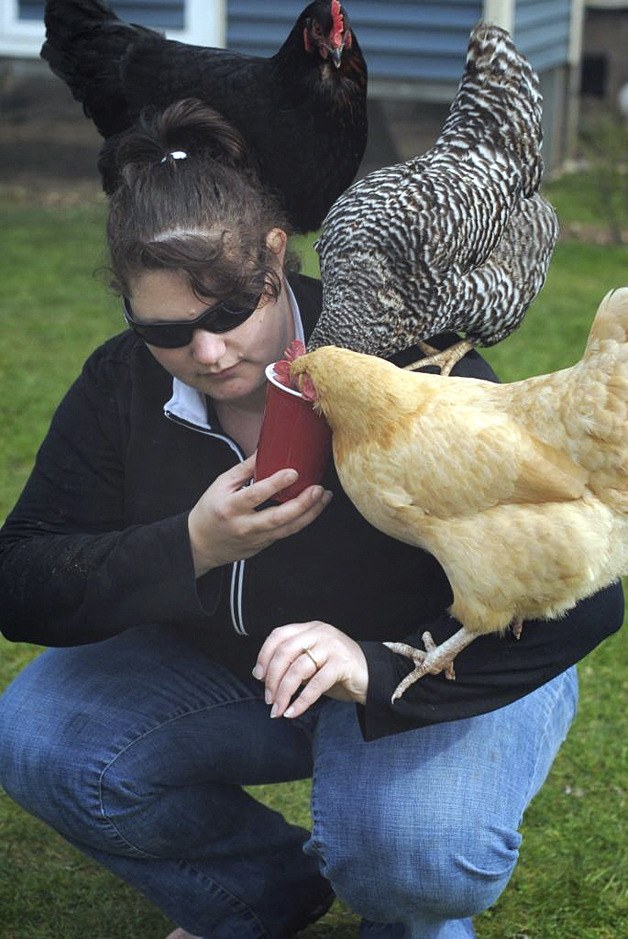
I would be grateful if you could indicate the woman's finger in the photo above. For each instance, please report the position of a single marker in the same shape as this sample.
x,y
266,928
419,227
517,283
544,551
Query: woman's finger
x,y
240,474
264,489
297,676
291,517
315,657
291,664
291,707
280,636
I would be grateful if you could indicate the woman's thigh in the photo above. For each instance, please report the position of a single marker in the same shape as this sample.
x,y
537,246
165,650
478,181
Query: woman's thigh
x,y
431,816
140,734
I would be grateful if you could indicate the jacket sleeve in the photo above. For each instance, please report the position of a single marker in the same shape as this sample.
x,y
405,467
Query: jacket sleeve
x,y
491,672
70,571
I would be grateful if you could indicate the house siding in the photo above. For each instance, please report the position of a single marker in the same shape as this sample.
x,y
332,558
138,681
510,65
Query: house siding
x,y
542,31
160,14
410,40
405,40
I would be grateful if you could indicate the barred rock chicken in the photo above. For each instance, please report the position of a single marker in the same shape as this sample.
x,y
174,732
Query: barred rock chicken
x,y
302,111
519,490
456,239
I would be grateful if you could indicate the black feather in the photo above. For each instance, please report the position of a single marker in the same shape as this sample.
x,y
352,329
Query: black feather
x,y
303,119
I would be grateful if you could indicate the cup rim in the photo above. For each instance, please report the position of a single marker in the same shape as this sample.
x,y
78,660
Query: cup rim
x,y
269,371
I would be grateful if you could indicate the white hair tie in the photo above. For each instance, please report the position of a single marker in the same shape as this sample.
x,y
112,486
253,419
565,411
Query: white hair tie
x,y
175,154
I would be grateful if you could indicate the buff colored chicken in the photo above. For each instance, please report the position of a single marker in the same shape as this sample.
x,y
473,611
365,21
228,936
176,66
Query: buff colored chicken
x,y
519,490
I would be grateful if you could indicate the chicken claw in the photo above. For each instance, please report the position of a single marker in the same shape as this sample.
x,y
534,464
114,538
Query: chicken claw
x,y
516,627
437,658
445,360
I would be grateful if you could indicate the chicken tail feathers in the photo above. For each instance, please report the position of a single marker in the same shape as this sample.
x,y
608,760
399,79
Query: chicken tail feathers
x,y
598,410
499,101
86,46
610,323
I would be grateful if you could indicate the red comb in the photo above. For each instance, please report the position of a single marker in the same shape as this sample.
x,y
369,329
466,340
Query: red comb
x,y
338,24
282,367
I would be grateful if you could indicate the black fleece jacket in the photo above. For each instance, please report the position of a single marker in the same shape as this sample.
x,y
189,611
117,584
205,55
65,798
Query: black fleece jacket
x,y
98,543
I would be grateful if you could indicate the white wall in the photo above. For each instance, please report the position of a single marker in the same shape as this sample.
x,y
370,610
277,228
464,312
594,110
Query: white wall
x,y
205,26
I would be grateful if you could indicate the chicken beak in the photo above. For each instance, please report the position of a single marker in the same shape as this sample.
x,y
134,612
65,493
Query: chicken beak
x,y
336,55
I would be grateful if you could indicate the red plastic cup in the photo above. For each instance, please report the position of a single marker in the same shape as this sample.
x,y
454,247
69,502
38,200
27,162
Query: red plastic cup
x,y
292,435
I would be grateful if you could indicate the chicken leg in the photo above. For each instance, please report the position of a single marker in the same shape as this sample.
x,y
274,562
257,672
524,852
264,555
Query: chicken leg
x,y
436,659
445,359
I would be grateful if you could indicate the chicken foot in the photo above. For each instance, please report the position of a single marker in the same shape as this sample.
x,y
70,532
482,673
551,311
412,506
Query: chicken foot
x,y
516,627
437,658
444,359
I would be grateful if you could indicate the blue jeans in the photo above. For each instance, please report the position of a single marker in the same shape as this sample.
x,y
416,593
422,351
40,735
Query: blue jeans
x,y
136,751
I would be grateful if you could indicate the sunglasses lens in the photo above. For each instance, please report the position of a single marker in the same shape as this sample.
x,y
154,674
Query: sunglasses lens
x,y
166,337
216,319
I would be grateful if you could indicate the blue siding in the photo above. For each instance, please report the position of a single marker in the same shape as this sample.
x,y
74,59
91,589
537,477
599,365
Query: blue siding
x,y
160,14
406,40
542,31
409,39
403,40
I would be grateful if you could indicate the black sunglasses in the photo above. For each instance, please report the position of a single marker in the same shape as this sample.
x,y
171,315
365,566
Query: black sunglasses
x,y
219,318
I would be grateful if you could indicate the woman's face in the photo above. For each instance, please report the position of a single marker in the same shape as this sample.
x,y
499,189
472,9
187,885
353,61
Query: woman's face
x,y
229,367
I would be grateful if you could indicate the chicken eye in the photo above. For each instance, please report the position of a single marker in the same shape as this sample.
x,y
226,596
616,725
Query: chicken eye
x,y
313,36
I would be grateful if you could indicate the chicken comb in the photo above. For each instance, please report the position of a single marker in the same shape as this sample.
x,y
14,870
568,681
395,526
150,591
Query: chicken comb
x,y
282,367
335,37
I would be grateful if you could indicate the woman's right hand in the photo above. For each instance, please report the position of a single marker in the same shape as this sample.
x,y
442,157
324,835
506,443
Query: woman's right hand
x,y
226,525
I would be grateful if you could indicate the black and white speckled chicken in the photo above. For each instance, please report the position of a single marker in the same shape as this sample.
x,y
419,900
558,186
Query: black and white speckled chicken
x,y
302,111
458,238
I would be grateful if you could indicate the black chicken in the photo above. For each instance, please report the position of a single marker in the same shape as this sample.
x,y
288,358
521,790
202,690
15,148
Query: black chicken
x,y
302,111
458,238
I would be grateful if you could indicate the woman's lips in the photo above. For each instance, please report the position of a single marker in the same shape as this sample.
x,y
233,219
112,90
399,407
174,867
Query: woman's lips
x,y
224,373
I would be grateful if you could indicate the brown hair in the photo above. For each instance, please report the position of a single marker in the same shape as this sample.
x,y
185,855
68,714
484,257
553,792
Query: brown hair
x,y
204,214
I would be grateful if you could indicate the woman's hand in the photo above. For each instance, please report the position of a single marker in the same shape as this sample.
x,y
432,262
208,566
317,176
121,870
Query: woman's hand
x,y
225,525
315,656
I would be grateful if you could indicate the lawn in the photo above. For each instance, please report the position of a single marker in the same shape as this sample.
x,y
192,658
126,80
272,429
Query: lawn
x,y
571,878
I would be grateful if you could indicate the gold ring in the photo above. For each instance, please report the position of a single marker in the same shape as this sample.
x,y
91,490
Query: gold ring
x,y
308,652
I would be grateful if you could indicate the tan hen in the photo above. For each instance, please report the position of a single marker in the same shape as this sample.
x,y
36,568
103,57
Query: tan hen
x,y
519,490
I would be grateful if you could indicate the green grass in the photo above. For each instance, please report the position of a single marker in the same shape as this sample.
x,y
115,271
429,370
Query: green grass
x,y
576,198
555,328
571,878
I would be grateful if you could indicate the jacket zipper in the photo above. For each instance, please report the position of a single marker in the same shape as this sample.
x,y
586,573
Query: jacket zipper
x,y
237,567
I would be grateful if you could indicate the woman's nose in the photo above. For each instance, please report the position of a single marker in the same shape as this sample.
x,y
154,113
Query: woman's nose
x,y
207,347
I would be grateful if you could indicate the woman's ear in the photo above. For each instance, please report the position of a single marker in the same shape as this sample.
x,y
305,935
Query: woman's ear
x,y
277,240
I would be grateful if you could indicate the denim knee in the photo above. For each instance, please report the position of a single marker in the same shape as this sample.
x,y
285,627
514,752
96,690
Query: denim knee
x,y
87,794
48,777
53,765
440,868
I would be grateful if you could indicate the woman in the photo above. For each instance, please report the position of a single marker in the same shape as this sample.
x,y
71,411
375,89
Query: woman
x,y
208,639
